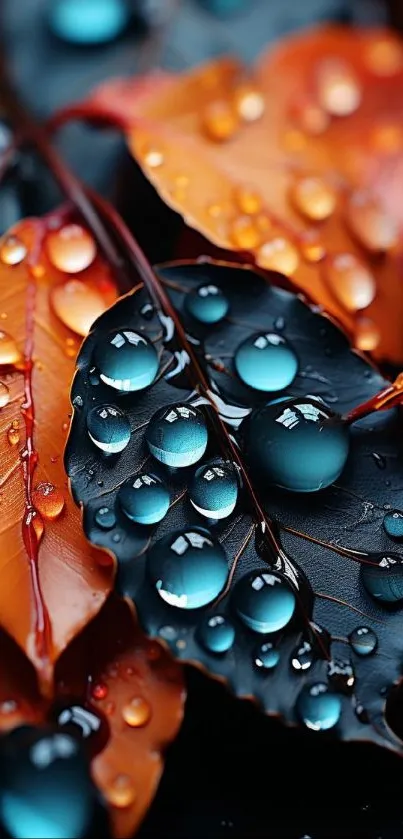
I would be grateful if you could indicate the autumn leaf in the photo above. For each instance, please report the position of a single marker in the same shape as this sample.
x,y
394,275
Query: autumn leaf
x,y
53,285
297,164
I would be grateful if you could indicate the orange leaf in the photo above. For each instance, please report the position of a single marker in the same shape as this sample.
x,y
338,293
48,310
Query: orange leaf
x,y
299,165
52,282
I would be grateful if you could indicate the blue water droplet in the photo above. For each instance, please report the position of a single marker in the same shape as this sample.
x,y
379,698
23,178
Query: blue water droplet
x,y
216,634
300,445
303,657
264,601
382,577
318,708
393,524
88,22
177,435
266,362
188,568
109,428
105,518
144,499
207,304
214,489
126,360
363,640
266,656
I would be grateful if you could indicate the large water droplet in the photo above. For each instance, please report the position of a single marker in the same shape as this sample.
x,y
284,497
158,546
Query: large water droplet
x,y
4,395
278,255
12,250
299,444
137,712
88,22
374,229
350,280
220,121
266,656
303,657
9,352
105,518
188,568
266,362
177,435
382,577
314,198
144,499
264,601
338,89
71,249
109,428
363,640
214,489
216,634
126,360
121,793
77,305
318,708
13,433
48,500
393,524
207,304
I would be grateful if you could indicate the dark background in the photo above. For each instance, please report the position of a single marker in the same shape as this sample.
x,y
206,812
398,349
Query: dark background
x,y
231,772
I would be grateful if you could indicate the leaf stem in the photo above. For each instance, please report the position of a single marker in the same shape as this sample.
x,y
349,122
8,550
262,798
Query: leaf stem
x,y
387,398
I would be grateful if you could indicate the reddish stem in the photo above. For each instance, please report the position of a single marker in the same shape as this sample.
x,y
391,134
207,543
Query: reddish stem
x,y
387,398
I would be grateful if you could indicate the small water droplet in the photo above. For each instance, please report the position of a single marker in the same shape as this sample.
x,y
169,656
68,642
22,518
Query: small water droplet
x,y
371,225
248,200
110,708
266,656
177,435
144,499
77,305
363,640
249,103
367,334
8,706
105,518
108,428
71,249
303,657
318,708
264,601
13,433
121,793
311,118
314,198
214,489
219,121
99,691
126,360
9,352
70,348
351,281
382,577
207,304
12,250
380,460
266,362
361,713
216,634
78,402
338,89
279,324
48,500
4,395
168,633
312,248
245,234
188,568
147,311
280,255
393,524
384,56
116,537
154,158
89,23
137,712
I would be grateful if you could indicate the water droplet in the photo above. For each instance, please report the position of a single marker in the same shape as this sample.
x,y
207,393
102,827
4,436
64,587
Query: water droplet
x,y
188,568
207,304
147,311
144,499
299,444
245,234
318,708
393,524
363,640
350,280
4,395
367,334
154,158
88,22
214,489
77,719
168,633
77,305
382,577
121,793
108,428
338,89
266,362
137,712
13,433
266,656
78,402
280,255
249,103
99,691
371,225
71,249
9,352
384,56
12,250
105,518
216,634
380,460
361,712
177,435
126,360
314,198
219,121
303,657
248,200
312,119
8,706
264,601
48,500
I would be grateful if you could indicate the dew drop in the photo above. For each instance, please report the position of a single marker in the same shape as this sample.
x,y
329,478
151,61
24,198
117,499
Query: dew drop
x,y
393,524
48,500
137,712
319,709
13,433
78,402
9,352
4,395
88,22
382,577
266,362
177,435
77,305
303,657
245,234
216,634
350,280
12,250
363,640
384,56
154,158
367,334
312,249
249,103
99,691
207,304
188,568
105,518
108,428
126,360
279,254
338,89
248,201
144,499
314,198
8,706
264,601
71,249
214,489
219,121
375,230
266,656
121,793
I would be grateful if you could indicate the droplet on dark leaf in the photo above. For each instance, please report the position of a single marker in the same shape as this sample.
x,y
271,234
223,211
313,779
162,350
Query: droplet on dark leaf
x,y
303,657
266,362
214,489
126,360
88,22
177,435
216,634
318,708
393,524
207,304
108,428
266,656
382,577
144,499
363,640
264,601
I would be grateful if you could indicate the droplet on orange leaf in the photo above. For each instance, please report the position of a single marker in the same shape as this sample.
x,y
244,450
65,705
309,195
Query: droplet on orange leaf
x,y
4,395
350,281
264,224
249,103
387,139
367,335
38,271
77,305
13,433
8,706
137,712
38,526
121,792
311,247
219,121
278,255
71,248
384,56
314,198
373,228
9,352
48,500
215,210
99,691
244,233
338,88
153,158
12,250
248,200
311,118
70,348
